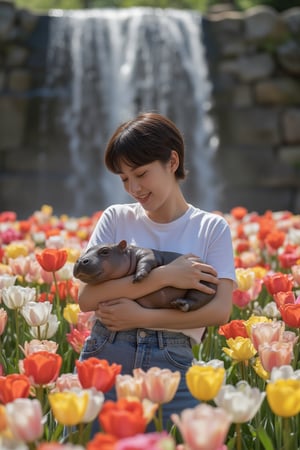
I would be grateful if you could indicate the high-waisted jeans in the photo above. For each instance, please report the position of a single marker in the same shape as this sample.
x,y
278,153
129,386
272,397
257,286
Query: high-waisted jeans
x,y
143,348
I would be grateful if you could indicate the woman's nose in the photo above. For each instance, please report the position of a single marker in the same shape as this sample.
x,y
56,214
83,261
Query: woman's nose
x,y
134,186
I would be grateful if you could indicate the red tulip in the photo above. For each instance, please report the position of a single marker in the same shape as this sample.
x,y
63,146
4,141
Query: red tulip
x,y
233,329
52,259
278,282
97,373
14,386
42,367
122,418
282,298
290,314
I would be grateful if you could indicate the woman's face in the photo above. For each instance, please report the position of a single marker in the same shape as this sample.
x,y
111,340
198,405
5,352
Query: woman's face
x,y
152,184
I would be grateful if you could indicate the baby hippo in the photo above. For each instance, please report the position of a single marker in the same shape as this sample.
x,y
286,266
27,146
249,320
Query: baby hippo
x,y
110,261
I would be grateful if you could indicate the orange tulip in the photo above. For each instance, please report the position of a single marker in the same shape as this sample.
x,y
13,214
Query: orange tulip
x,y
238,212
3,419
275,239
52,259
290,314
97,373
122,418
42,367
14,386
103,441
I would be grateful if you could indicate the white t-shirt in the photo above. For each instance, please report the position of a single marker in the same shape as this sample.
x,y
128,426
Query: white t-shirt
x,y
204,234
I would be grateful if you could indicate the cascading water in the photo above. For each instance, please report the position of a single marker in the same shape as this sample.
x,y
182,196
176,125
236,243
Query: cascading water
x,y
110,65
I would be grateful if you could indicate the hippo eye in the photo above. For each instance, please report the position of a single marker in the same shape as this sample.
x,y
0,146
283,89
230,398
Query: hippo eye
x,y
104,251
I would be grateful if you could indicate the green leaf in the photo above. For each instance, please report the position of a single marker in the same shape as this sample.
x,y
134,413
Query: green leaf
x,y
264,438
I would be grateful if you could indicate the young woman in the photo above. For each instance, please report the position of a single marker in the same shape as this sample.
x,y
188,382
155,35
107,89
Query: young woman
x,y
147,153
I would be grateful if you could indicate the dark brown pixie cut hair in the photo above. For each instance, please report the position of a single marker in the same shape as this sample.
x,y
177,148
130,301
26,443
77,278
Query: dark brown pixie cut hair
x,y
147,138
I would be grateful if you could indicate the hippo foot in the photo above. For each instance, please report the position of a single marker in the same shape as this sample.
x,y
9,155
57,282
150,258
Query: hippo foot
x,y
181,303
140,276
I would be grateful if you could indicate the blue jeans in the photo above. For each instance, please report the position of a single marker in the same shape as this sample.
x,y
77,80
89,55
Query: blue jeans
x,y
143,348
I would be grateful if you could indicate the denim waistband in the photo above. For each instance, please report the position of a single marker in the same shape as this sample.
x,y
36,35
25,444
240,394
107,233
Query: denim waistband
x,y
143,335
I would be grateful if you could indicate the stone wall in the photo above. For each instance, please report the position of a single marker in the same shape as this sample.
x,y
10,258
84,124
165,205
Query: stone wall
x,y
254,59
254,65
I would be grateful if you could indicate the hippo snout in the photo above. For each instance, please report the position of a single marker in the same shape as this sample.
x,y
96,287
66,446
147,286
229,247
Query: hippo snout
x,y
85,270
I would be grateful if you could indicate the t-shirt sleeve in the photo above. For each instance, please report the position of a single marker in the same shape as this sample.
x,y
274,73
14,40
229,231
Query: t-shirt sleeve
x,y
220,251
104,230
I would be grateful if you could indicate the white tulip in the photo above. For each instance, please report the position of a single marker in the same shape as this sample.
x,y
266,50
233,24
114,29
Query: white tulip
x,y
15,297
47,330
241,401
36,313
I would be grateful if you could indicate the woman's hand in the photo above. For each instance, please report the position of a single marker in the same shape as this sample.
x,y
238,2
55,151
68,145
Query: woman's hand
x,y
120,314
188,271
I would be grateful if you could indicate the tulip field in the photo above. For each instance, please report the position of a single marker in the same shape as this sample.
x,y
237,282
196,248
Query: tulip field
x,y
245,373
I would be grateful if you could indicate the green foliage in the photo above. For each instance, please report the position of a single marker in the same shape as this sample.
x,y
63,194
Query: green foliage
x,y
201,5
279,5
45,5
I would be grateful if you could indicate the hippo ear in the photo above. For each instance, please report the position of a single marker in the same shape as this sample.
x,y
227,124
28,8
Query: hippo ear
x,y
122,244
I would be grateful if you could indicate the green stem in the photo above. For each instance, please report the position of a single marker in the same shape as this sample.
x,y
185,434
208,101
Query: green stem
x,y
80,434
31,446
238,436
2,357
278,431
57,300
296,352
243,370
17,336
158,419
287,443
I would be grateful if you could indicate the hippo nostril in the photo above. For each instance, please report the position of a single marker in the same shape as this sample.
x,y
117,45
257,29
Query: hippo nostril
x,y
85,261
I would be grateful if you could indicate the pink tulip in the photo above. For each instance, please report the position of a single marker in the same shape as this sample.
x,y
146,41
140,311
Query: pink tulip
x,y
58,446
203,427
3,320
25,419
275,354
266,332
85,320
148,441
35,345
160,384
241,298
67,381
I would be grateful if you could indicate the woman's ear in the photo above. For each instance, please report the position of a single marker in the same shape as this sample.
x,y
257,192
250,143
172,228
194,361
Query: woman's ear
x,y
174,161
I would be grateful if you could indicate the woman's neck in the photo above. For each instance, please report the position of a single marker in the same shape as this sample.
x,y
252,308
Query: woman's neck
x,y
170,211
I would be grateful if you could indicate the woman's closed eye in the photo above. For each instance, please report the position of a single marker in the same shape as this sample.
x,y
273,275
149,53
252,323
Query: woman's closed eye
x,y
140,175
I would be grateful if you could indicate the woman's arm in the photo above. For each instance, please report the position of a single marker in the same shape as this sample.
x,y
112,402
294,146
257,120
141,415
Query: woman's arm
x,y
185,272
123,314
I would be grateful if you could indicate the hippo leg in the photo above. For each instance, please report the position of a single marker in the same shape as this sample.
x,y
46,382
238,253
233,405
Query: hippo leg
x,y
181,303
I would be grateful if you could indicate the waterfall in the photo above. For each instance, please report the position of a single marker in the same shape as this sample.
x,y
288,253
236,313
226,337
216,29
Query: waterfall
x,y
106,66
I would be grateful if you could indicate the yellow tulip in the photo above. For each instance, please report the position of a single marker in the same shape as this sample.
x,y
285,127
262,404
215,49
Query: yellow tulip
x,y
259,370
71,312
254,320
284,397
259,271
82,234
240,349
69,407
73,254
47,210
245,278
204,382
15,250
